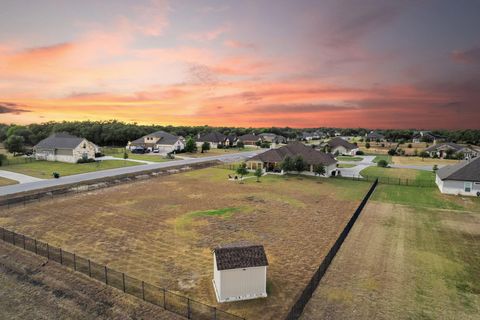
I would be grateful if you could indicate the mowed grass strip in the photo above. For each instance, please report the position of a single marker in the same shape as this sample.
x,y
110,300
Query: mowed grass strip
x,y
420,177
45,169
6,182
349,158
387,158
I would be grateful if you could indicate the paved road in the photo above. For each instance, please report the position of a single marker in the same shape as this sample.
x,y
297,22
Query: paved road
x,y
21,178
131,160
7,190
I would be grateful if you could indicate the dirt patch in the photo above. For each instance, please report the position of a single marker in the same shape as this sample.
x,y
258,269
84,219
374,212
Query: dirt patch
x,y
153,230
33,288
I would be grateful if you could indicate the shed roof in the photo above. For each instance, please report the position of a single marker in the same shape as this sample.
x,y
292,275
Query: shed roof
x,y
240,256
310,155
60,140
467,170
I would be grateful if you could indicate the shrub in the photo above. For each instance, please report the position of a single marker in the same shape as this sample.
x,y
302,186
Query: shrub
x,y
240,144
367,145
359,153
392,152
435,168
85,160
3,159
56,175
409,146
382,163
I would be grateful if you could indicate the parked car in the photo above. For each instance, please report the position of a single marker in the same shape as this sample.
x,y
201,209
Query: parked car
x,y
138,150
156,151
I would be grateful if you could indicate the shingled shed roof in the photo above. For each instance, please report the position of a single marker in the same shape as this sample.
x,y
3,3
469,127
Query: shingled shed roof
x,y
335,142
311,156
60,140
468,170
240,256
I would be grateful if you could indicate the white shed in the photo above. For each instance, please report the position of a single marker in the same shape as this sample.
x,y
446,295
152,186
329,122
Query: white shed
x,y
239,272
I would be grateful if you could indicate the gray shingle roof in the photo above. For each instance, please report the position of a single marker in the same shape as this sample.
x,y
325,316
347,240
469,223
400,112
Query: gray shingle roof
x,y
165,137
447,145
59,140
240,256
336,142
310,155
214,136
249,137
467,170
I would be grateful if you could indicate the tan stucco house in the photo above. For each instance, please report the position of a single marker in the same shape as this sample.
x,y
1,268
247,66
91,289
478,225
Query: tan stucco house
x,y
64,147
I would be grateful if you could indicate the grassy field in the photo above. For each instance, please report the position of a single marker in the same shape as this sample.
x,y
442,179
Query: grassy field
x,y
349,158
216,152
416,176
422,161
376,147
162,230
404,262
6,182
44,169
118,153
345,165
385,157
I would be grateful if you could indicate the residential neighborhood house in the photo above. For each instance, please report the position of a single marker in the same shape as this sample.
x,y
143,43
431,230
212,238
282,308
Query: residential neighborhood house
x,y
375,136
249,139
64,147
442,150
340,146
216,140
270,160
239,272
427,136
272,138
461,179
160,141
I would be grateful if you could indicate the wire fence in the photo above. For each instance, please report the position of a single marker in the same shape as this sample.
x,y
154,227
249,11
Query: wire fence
x,y
428,183
297,308
161,297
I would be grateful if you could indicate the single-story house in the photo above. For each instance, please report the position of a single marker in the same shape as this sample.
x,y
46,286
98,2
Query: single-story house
x,y
272,138
162,141
216,139
249,139
239,272
441,150
64,147
427,136
270,160
231,140
342,147
461,178
375,136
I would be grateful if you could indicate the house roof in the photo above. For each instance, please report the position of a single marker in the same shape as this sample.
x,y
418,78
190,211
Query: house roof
x,y
467,170
240,256
60,140
375,135
232,138
336,142
164,138
310,155
212,137
446,145
249,137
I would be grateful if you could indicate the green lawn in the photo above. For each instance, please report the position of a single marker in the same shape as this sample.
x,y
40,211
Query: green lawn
x,y
345,165
44,169
404,176
349,158
6,182
383,157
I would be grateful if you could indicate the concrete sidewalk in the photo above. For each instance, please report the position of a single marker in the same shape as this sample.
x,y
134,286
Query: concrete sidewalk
x,y
21,178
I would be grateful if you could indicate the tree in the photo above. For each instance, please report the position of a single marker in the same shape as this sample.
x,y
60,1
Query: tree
x,y
382,163
15,144
460,155
205,146
287,164
299,164
392,152
258,173
190,145
435,168
367,145
240,145
424,155
319,169
242,170
125,155
449,153
409,146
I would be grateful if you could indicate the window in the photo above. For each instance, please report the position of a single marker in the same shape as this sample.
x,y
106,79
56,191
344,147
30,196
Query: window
x,y
468,187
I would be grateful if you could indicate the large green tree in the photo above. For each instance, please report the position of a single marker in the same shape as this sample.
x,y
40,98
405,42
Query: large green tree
x,y
15,144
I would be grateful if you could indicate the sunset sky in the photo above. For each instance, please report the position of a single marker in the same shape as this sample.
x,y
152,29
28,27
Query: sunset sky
x,y
368,63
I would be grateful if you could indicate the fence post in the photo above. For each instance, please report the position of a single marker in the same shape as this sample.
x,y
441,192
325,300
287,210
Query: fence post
x,y
106,276
214,313
36,251
74,262
13,238
164,300
143,290
188,309
3,234
24,246
61,257
48,252
89,269
123,280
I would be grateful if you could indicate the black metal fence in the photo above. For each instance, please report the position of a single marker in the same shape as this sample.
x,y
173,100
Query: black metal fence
x,y
161,297
428,183
16,160
307,293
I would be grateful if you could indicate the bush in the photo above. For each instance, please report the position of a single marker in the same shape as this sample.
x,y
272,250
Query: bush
x,y
99,154
382,163
359,153
240,144
56,175
367,145
3,159
85,160
409,146
435,168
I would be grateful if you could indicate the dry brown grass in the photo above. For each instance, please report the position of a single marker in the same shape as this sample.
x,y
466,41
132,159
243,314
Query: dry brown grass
x,y
155,230
422,162
6,182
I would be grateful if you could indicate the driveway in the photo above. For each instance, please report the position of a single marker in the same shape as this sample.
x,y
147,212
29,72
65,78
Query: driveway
x,y
36,185
20,178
